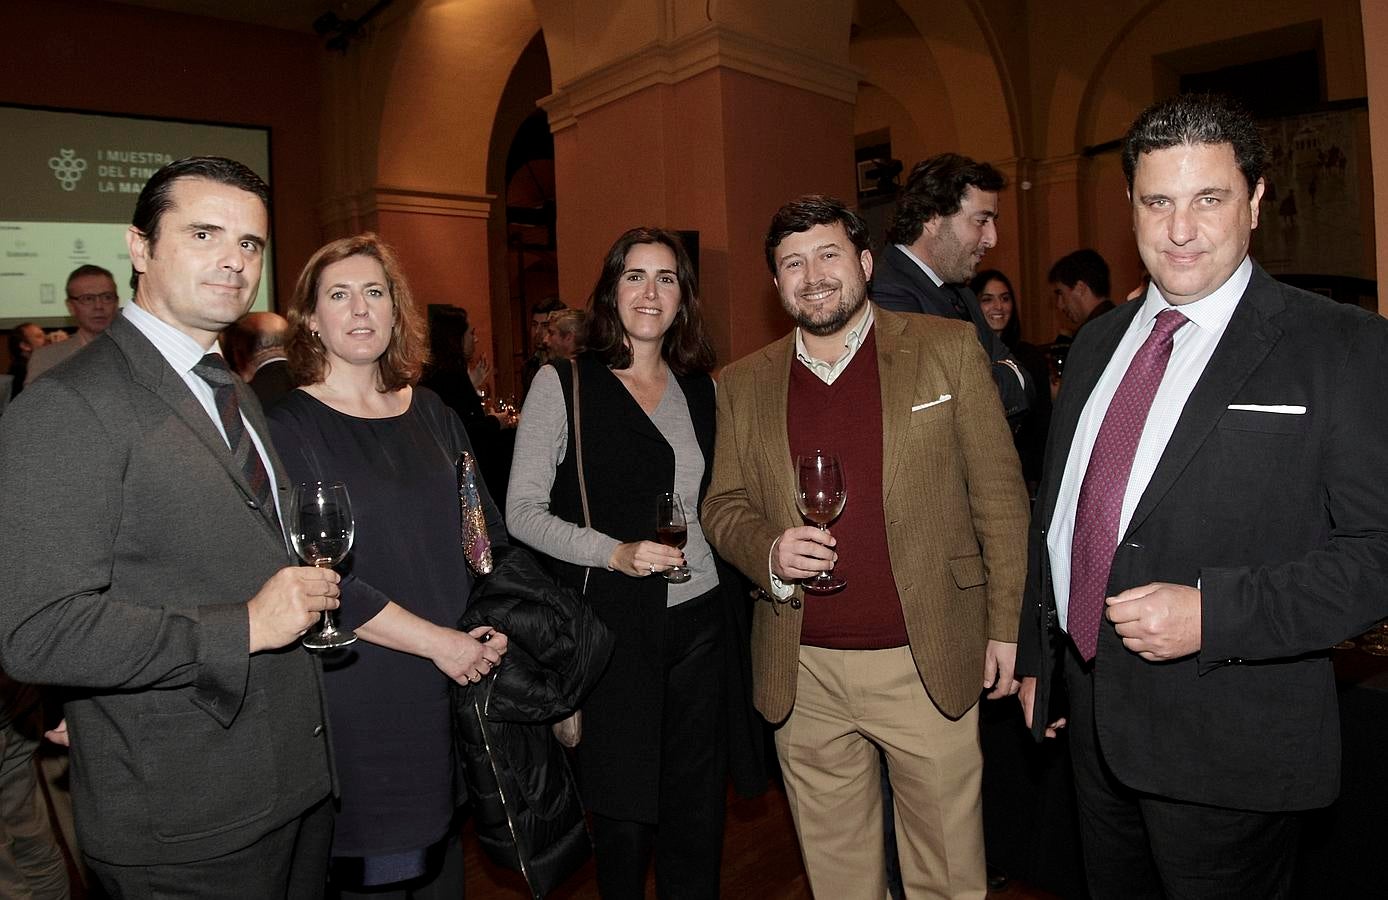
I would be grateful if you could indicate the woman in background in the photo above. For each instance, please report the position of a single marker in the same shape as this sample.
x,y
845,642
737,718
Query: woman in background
x,y
356,347
652,761
456,374
999,304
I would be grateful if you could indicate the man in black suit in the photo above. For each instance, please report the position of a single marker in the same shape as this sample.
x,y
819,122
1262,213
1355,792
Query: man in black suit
x,y
157,583
944,225
1080,282
1213,516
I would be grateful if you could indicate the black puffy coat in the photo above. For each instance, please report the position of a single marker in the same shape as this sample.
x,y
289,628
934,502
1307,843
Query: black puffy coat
x,y
526,806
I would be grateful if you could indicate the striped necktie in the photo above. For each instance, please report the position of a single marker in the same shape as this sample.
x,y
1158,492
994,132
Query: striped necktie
x,y
213,369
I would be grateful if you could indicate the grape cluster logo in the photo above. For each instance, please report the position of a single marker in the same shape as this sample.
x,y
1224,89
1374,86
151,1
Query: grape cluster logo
x,y
67,167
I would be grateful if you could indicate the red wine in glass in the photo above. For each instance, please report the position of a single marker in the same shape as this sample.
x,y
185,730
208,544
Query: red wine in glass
x,y
672,536
672,530
820,494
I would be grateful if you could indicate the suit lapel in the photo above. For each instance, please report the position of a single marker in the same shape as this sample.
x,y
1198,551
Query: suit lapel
x,y
1081,376
930,296
1247,340
149,369
769,420
898,367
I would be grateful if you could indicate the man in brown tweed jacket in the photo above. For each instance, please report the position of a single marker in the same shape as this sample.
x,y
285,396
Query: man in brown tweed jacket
x,y
931,543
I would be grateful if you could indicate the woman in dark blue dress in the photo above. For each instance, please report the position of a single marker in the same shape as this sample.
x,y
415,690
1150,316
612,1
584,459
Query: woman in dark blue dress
x,y
356,347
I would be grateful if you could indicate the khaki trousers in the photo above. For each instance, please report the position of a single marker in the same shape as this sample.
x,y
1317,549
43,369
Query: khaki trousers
x,y
848,703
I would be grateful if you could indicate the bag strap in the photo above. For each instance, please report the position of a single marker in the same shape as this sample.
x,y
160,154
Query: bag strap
x,y
578,447
578,457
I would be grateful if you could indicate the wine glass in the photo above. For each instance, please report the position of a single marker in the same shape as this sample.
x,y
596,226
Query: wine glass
x,y
820,495
672,530
322,535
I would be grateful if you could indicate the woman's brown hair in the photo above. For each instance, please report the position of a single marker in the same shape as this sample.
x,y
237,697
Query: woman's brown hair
x,y
408,350
686,348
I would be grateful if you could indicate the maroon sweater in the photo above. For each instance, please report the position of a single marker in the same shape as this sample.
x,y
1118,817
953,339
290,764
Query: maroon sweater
x,y
845,418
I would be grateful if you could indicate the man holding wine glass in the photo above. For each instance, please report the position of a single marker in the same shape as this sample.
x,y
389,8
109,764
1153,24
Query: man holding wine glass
x,y
925,555
158,585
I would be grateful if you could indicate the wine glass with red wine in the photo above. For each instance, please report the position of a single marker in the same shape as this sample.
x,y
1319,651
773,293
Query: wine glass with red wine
x,y
672,530
820,495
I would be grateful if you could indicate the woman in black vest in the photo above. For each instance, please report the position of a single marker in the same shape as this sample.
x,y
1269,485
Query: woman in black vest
x,y
653,754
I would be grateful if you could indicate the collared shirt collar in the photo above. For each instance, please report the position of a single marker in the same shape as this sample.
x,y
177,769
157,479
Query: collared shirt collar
x,y
181,351
828,372
1208,313
939,282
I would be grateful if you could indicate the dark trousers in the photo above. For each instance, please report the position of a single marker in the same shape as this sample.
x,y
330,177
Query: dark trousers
x,y
31,865
687,842
290,862
1139,846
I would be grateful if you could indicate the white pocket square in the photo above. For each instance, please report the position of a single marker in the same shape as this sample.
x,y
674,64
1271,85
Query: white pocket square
x,y
1279,410
943,399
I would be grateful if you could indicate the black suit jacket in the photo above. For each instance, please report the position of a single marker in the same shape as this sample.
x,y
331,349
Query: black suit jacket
x,y
130,586
1280,519
899,284
271,382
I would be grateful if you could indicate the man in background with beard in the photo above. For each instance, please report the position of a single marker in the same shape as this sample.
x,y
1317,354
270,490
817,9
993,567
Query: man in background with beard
x,y
946,221
931,544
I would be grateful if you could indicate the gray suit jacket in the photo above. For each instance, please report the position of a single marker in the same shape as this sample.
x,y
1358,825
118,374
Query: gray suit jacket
x,y
130,585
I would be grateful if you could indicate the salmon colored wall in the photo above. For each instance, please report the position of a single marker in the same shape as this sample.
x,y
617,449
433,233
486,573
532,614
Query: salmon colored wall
x,y
717,153
112,58
445,260
780,142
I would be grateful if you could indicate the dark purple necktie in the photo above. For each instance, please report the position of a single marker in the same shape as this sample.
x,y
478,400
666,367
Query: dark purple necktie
x,y
213,369
1106,481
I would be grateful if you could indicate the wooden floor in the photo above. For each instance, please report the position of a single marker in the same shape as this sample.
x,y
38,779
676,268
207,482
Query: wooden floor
x,y
761,860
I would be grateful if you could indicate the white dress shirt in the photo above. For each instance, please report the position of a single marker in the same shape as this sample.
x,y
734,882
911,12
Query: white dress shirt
x,y
182,353
930,273
1192,346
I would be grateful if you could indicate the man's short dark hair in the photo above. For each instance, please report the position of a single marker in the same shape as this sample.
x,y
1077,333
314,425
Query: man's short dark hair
x,y
156,196
1197,119
936,187
806,212
85,271
1083,265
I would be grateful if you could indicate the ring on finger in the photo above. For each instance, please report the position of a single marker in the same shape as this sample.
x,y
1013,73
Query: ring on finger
x,y
652,568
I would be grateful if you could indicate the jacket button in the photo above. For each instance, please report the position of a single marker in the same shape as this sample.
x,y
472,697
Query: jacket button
x,y
317,730
795,603
251,504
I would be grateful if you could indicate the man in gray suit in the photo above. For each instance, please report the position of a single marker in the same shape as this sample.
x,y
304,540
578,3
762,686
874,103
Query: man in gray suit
x,y
157,586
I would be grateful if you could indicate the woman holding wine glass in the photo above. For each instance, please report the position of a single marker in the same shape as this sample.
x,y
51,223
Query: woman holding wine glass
x,y
356,346
605,443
